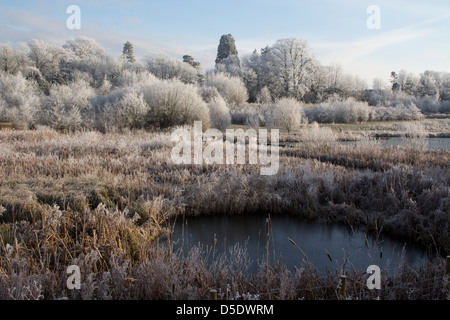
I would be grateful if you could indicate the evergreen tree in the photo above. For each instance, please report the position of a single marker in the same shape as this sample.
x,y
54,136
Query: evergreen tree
x,y
190,60
128,52
394,81
227,49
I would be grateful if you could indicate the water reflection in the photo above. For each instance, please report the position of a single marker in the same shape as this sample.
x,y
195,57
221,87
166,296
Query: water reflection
x,y
293,240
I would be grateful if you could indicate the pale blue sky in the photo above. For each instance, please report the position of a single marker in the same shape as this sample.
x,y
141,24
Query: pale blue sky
x,y
414,35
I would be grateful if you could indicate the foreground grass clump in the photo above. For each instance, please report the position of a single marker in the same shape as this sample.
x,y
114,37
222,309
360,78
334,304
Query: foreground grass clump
x,y
103,202
119,260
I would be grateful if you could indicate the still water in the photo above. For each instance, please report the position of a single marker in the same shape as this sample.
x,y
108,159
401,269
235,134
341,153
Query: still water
x,y
292,240
426,143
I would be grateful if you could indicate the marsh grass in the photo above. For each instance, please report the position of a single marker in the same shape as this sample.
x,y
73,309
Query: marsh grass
x,y
103,202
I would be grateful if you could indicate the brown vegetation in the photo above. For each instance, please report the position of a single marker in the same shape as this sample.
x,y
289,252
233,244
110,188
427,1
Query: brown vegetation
x,y
104,202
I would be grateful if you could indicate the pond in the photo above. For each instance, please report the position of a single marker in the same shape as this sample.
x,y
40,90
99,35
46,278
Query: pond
x,y
291,240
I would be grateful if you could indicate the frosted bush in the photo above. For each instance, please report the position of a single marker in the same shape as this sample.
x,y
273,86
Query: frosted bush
x,y
286,113
232,89
219,113
104,110
131,110
317,135
396,113
414,130
19,101
130,78
173,103
68,107
341,111
249,114
264,96
351,111
209,93
165,67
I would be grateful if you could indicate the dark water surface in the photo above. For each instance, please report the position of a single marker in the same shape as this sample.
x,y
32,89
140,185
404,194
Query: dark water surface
x,y
293,240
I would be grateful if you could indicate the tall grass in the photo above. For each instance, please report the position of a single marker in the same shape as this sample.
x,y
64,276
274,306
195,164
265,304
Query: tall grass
x,y
103,201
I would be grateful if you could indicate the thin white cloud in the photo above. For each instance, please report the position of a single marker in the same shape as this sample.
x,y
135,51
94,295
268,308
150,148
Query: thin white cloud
x,y
18,26
350,51
354,55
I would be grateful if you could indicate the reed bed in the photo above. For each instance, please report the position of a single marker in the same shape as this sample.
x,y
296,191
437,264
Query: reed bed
x,y
104,202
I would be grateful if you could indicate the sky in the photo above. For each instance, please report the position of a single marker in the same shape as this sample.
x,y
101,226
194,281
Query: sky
x,y
412,35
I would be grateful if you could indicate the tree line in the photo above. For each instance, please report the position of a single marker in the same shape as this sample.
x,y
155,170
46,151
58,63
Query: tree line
x,y
79,86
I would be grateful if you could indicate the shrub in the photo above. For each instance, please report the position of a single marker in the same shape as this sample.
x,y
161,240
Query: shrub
x,y
165,67
232,89
68,107
19,101
396,113
264,96
131,110
173,103
130,78
104,109
317,135
209,93
249,114
340,111
414,130
219,113
286,112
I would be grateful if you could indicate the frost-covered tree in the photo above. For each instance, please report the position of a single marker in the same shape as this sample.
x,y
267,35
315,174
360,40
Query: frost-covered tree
x,y
405,82
339,110
85,48
286,68
11,60
128,52
230,65
91,58
197,65
337,82
294,63
318,85
434,84
47,59
258,72
19,100
165,68
379,85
